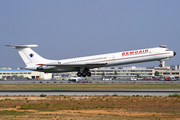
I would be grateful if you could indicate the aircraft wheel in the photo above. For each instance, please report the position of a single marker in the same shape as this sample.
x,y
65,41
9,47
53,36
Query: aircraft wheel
x,y
160,65
79,74
89,74
84,74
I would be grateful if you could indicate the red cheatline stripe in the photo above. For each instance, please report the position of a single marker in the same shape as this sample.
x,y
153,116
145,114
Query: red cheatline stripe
x,y
131,57
39,64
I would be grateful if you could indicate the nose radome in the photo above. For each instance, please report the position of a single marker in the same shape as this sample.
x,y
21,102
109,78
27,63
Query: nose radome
x,y
174,53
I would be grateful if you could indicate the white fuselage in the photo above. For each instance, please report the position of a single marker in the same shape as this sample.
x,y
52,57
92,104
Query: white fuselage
x,y
113,59
83,65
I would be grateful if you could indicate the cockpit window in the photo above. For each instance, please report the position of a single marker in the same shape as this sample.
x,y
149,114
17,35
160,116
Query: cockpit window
x,y
167,49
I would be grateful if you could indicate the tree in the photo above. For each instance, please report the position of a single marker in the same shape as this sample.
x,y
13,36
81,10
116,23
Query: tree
x,y
115,74
138,76
156,73
103,74
52,76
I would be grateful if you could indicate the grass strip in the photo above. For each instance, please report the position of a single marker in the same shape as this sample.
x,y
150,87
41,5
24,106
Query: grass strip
x,y
86,86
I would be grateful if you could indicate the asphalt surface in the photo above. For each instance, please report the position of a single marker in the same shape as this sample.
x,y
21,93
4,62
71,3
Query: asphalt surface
x,y
89,81
126,92
101,90
119,92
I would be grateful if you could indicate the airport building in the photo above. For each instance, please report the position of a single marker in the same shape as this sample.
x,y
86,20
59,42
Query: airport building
x,y
123,72
146,72
128,72
116,72
13,74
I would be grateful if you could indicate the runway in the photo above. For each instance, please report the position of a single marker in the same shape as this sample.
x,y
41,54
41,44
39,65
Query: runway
x,y
119,92
89,82
90,92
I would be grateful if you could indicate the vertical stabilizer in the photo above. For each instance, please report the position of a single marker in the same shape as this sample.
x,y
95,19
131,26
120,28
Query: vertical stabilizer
x,y
29,57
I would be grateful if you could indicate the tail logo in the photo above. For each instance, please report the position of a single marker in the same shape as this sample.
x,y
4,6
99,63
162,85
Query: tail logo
x,y
31,55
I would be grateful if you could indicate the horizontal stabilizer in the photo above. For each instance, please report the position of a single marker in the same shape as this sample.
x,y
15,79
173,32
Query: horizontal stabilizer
x,y
21,46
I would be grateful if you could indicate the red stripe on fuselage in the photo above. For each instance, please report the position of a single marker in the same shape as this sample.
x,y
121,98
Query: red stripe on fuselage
x,y
131,57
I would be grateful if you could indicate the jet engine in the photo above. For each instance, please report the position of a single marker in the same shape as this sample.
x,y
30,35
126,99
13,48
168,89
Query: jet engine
x,y
40,67
45,67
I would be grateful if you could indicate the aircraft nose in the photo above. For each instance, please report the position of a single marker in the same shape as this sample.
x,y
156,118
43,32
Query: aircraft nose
x,y
174,53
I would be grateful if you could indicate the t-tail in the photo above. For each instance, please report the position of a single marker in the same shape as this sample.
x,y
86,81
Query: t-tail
x,y
30,58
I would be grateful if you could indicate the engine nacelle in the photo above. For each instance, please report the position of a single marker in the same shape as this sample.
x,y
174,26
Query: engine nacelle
x,y
45,67
40,67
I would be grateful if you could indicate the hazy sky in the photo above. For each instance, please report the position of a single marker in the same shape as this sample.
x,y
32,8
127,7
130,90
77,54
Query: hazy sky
x,y
74,28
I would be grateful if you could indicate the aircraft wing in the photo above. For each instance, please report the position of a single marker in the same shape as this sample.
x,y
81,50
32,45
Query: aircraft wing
x,y
79,65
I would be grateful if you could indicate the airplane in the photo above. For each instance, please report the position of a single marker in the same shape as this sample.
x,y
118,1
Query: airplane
x,y
83,65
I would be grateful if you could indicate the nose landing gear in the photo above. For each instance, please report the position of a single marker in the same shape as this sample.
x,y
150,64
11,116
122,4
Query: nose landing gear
x,y
162,64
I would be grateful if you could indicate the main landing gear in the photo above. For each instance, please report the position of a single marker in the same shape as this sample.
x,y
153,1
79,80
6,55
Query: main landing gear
x,y
84,73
